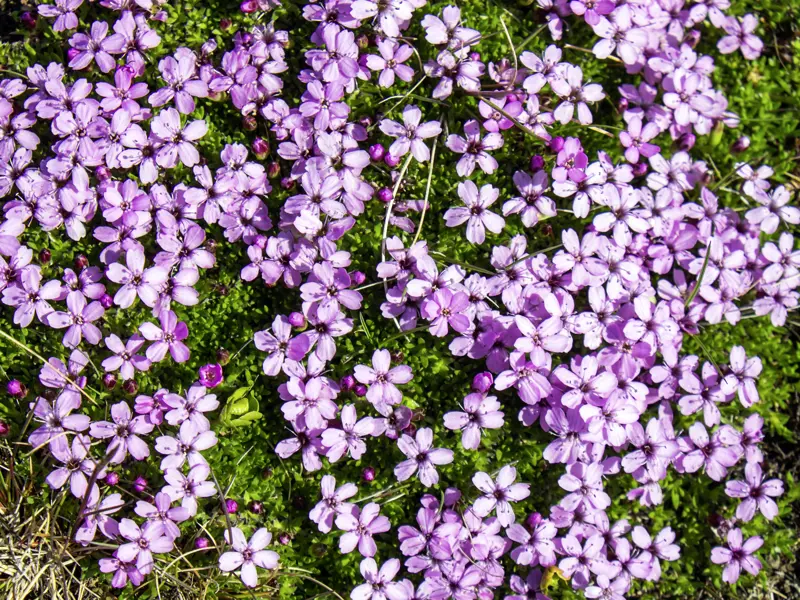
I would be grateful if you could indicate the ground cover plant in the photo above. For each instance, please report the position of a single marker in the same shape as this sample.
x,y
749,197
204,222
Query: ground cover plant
x,y
399,299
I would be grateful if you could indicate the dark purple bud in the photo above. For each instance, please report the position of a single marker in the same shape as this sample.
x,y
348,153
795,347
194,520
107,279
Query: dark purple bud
x,y
28,20
705,178
347,383
287,183
714,520
106,301
398,356
81,262
225,24
249,122
639,169
256,508
482,382
410,429
140,484
686,142
297,320
202,543
360,390
112,478
222,289
103,173
261,148
391,161
130,386
362,41
211,245
45,256
110,381
231,506
623,105
284,538
385,195
16,389
223,356
273,170
299,502
511,98
533,520
556,144
4,429
691,38
210,375
368,474
358,277
72,53
365,121
740,145
537,162
266,473
475,56
377,152
246,38
248,6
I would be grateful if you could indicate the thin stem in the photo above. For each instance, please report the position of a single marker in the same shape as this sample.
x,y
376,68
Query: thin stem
x,y
427,193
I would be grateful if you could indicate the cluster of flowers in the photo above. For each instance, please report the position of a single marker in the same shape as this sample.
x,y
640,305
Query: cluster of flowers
x,y
597,405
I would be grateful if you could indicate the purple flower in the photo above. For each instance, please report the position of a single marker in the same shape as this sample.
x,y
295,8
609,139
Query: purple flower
x,y
136,280
96,516
379,584
125,359
654,449
476,215
31,297
280,345
383,380
636,140
92,47
329,287
161,512
474,149
740,37
169,336
480,412
180,73
210,375
410,134
124,432
311,404
326,323
568,85
78,319
176,142
737,556
389,63
64,13
708,453
755,493
348,438
359,527
191,441
446,308
192,407
531,204
390,15
536,547
422,457
308,442
56,421
188,488
248,555
742,378
523,374
332,503
499,494
580,559
143,543
76,467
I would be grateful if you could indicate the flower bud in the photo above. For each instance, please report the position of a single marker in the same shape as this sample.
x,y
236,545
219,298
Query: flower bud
x,y
223,356
44,256
385,195
140,484
686,142
740,145
362,41
103,173
347,383
691,38
284,538
130,387
266,473
476,56
410,429
231,506
256,508
110,381
639,169
4,429
273,169
287,183
202,543
368,474
365,121
210,375
225,24
112,478
537,162
360,390
299,502
72,53
249,122
377,152
391,161
358,277
297,320
106,301
261,148
28,20
16,389
482,382
623,105
556,144
319,550
248,6
81,262
533,520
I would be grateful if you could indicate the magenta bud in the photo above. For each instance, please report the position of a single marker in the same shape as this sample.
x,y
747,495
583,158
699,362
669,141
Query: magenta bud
x,y
261,148
362,41
297,320
28,20
639,169
72,53
16,389
385,195
358,277
140,484
377,152
691,38
202,543
360,390
533,520
4,428
248,6
740,145
81,262
365,121
225,24
249,122
231,506
246,38
537,162
284,538
112,478
556,144
106,301
368,474
347,383
482,382
44,256
210,375
110,381
103,173
130,386
686,141
623,105
391,161
410,429
256,508
287,183
273,170
475,56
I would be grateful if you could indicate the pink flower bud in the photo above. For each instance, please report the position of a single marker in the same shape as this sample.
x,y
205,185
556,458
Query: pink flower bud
x,y
482,382
385,195
377,152
368,474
